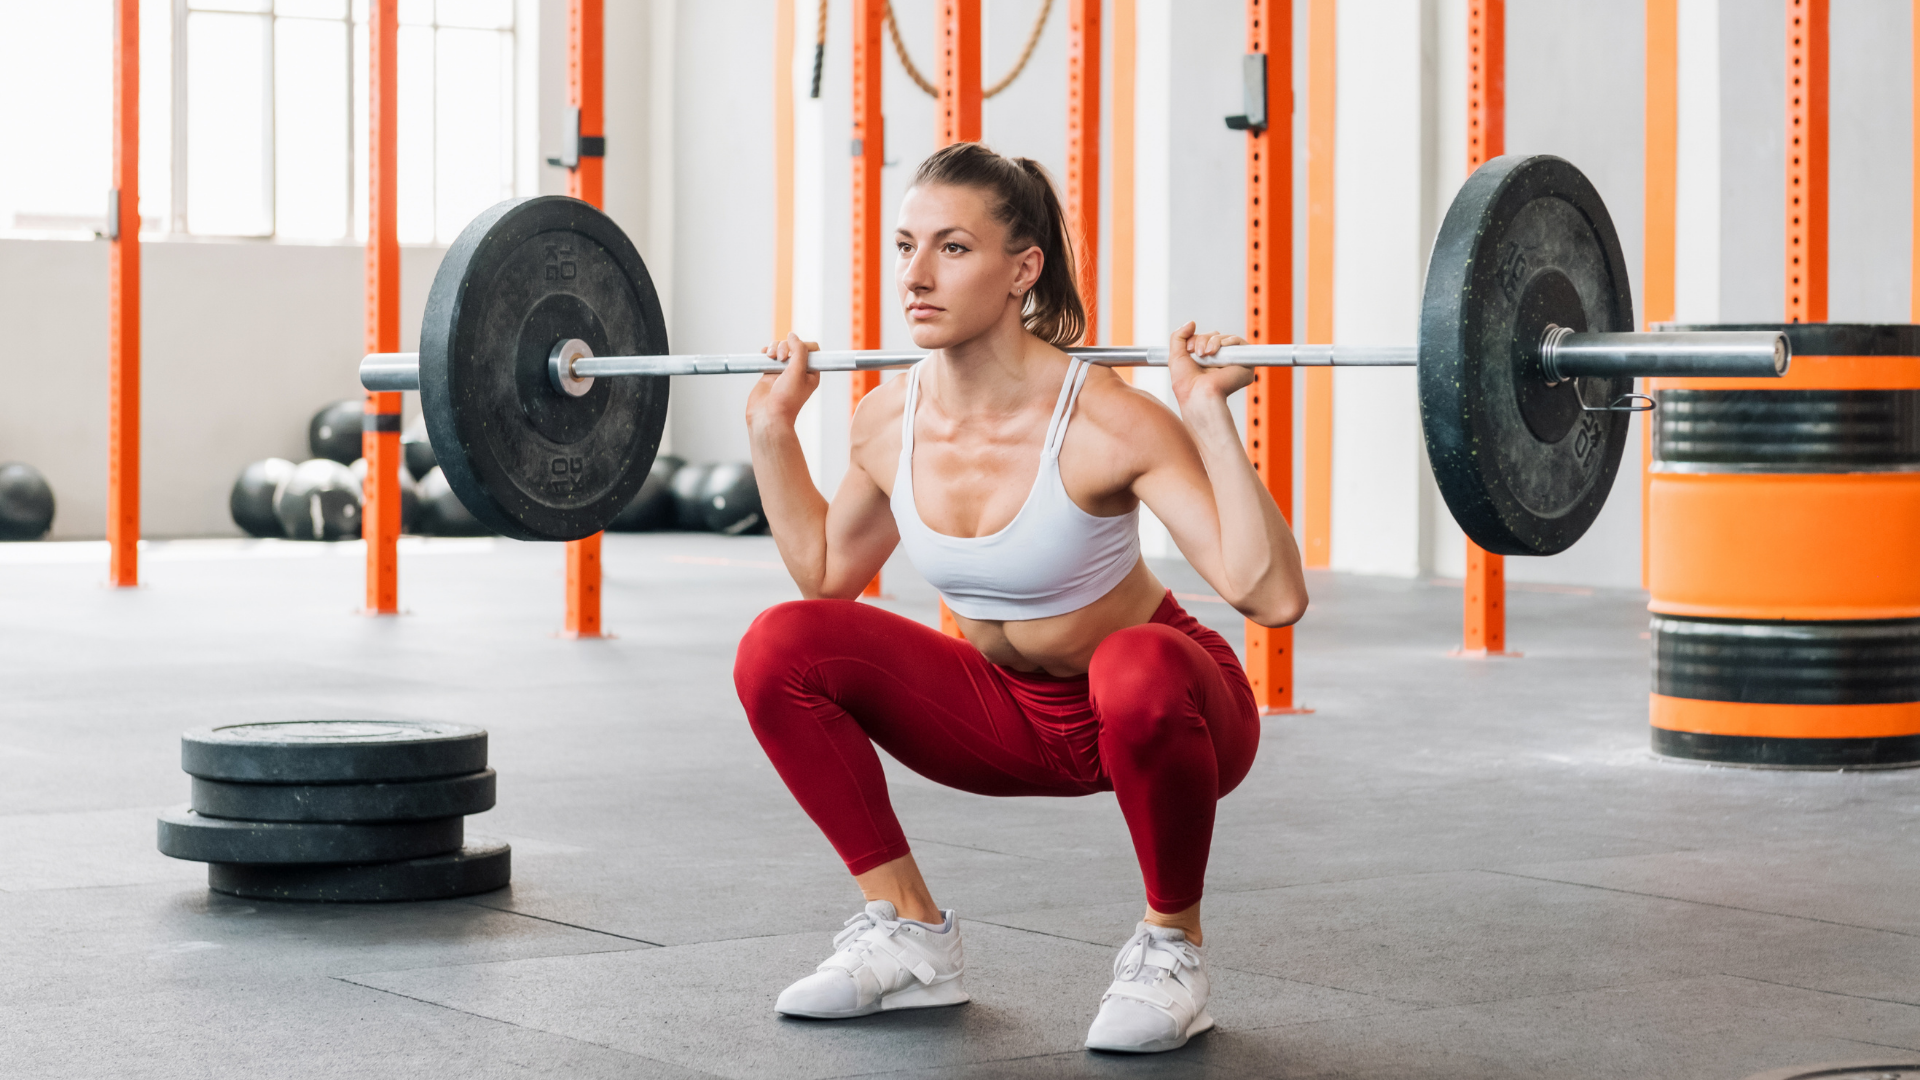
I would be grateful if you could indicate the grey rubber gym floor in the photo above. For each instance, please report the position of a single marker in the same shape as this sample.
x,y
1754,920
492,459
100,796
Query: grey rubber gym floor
x,y
1452,868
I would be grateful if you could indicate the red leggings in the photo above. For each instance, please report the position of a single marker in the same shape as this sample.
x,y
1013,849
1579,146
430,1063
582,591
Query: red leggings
x,y
1164,718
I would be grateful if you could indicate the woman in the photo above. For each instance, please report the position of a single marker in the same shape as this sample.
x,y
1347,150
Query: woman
x,y
1013,476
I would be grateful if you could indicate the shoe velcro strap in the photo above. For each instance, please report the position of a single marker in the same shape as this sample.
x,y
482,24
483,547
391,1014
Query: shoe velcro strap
x,y
1152,995
1165,961
918,966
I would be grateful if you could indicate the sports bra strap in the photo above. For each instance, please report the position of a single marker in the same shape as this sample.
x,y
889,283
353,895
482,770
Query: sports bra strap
x,y
1063,409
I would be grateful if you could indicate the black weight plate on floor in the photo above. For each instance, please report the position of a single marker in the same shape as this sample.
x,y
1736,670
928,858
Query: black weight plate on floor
x,y
481,866
531,462
333,751
1526,243
186,835
413,800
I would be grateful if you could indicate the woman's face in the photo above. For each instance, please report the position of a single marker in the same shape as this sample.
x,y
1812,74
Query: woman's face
x,y
955,276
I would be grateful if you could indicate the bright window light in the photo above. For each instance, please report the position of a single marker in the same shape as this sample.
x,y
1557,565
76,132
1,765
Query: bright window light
x,y
310,100
416,181
229,171
474,144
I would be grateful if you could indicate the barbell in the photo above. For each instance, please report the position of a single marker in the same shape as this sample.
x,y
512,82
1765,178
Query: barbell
x,y
543,366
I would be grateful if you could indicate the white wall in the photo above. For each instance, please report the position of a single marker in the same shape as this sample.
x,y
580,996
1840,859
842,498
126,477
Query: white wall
x,y
1380,246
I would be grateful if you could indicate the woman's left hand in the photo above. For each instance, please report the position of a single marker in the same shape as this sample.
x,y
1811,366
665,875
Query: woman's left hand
x,y
1184,350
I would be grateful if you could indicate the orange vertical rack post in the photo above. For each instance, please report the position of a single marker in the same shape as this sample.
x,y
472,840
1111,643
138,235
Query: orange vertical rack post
x,y
1485,595
123,306
586,182
380,427
1806,161
960,100
869,153
1083,154
1316,515
1662,184
1270,317
782,168
1913,312
1120,251
959,71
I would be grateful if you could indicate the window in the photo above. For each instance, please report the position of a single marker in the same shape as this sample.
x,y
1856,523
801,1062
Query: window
x,y
254,115
56,114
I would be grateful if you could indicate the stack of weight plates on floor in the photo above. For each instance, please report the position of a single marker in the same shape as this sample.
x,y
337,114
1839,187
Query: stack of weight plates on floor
x,y
337,810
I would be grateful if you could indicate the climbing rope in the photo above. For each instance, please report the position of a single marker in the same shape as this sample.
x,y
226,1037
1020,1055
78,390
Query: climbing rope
x,y
819,49
919,80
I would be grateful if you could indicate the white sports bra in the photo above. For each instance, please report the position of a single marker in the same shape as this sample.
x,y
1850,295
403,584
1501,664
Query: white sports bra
x,y
1052,558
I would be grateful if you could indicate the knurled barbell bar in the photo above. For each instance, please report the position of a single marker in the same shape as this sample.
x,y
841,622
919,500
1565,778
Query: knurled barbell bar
x,y
542,367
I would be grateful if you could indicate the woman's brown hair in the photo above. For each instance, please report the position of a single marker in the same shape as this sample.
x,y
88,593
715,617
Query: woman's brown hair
x,y
1023,200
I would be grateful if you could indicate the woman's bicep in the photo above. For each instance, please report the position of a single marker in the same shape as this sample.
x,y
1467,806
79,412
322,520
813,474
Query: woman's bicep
x,y
1174,485
860,535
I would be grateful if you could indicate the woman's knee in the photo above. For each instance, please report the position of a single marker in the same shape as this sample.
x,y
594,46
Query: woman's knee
x,y
779,643
1144,681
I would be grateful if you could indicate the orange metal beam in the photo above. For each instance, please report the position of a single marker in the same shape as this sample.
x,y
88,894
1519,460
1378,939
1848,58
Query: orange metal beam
x,y
1662,181
1914,282
1120,255
1083,153
123,307
1316,515
1485,622
380,433
586,87
1806,160
782,168
1270,317
869,154
959,71
960,100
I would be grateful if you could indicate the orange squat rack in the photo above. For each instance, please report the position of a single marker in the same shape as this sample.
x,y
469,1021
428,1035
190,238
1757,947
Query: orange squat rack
x,y
380,428
123,306
586,88
1484,608
1270,317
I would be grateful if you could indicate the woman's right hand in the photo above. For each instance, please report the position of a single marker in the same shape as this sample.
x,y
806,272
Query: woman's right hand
x,y
776,399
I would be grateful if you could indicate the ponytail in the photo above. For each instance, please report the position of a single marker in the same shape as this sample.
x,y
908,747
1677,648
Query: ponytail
x,y
1023,200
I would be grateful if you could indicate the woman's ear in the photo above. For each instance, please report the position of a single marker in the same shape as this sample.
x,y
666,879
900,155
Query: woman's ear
x,y
1027,268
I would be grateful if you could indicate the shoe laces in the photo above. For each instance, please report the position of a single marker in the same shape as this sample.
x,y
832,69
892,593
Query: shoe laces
x,y
854,938
1153,957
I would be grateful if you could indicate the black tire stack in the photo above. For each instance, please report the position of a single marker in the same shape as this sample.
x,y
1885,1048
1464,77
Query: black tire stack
x,y
337,810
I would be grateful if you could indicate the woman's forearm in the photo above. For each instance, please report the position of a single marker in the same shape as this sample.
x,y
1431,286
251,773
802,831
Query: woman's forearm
x,y
1258,556
796,511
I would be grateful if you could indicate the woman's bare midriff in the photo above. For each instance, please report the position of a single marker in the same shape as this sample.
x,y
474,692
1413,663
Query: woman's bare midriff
x,y
1063,644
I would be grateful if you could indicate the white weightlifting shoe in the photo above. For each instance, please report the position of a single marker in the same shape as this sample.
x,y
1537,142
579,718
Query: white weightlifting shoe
x,y
881,962
1158,999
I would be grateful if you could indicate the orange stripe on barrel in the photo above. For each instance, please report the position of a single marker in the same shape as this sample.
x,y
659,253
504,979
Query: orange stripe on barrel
x,y
1762,720
1785,546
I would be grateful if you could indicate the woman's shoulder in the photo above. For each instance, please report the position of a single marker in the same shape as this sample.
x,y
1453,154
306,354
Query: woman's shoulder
x,y
880,407
1112,403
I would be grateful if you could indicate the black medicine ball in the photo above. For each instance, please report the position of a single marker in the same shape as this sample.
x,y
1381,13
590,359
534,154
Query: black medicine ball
x,y
652,505
730,500
334,433
441,512
252,500
319,501
26,503
689,510
419,451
